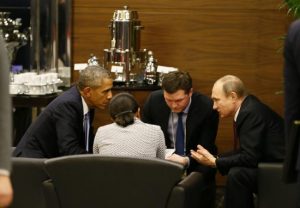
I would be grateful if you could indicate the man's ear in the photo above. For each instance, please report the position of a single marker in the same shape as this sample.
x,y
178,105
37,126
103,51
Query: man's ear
x,y
234,95
191,92
86,92
138,114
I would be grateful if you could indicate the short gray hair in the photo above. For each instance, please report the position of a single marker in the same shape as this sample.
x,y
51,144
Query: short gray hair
x,y
92,76
232,83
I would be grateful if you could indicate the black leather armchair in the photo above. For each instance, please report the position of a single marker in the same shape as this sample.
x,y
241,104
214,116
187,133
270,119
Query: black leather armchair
x,y
272,191
113,182
27,177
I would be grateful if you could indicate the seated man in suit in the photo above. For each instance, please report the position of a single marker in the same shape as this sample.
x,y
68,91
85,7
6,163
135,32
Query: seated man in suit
x,y
187,119
64,126
259,137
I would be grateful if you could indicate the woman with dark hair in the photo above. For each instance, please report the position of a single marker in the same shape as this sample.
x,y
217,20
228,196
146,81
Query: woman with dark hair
x,y
128,136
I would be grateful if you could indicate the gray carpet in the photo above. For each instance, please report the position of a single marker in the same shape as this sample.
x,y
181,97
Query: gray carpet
x,y
219,197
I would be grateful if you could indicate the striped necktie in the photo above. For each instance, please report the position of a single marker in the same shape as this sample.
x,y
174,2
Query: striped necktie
x,y
86,128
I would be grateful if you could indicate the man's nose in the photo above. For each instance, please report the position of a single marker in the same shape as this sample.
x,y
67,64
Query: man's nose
x,y
109,95
214,106
174,104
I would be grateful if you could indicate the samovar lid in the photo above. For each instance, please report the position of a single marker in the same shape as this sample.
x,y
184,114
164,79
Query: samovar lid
x,y
125,15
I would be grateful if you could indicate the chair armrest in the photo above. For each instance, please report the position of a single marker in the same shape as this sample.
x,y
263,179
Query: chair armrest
x,y
193,186
50,194
272,191
192,181
176,198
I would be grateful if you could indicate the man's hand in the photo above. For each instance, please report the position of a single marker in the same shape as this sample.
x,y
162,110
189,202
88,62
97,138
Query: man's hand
x,y
179,159
203,156
6,192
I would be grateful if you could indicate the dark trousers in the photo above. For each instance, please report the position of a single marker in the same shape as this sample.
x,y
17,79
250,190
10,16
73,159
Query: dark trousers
x,y
240,186
208,196
298,190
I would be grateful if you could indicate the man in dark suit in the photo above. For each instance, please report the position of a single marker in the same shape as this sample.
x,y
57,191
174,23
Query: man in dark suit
x,y
59,129
6,192
292,104
259,137
200,121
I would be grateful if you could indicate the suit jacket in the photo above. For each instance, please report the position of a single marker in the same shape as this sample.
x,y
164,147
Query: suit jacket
x,y
292,100
5,110
261,136
201,124
58,130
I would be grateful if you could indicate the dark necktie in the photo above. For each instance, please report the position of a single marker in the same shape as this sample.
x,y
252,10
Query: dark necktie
x,y
86,128
179,144
235,137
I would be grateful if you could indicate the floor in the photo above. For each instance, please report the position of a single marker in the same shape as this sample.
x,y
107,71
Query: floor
x,y
219,197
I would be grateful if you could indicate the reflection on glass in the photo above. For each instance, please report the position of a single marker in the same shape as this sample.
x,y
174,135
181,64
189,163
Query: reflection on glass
x,y
51,27
48,24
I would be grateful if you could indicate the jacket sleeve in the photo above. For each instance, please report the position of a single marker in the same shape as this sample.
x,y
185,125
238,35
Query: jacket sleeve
x,y
69,126
292,74
251,133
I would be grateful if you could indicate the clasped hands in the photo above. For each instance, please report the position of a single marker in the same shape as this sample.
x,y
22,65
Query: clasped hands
x,y
183,160
202,156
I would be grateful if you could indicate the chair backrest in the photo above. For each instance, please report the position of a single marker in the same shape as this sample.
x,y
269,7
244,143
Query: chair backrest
x,y
27,177
97,181
272,191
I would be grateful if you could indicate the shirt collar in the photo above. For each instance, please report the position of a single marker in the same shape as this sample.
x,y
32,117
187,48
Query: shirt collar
x,y
186,110
238,110
85,106
236,114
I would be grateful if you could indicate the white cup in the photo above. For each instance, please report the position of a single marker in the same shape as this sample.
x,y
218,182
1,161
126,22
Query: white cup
x,y
15,89
33,89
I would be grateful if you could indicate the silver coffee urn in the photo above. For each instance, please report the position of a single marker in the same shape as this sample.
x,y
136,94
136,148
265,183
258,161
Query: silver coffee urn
x,y
130,64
